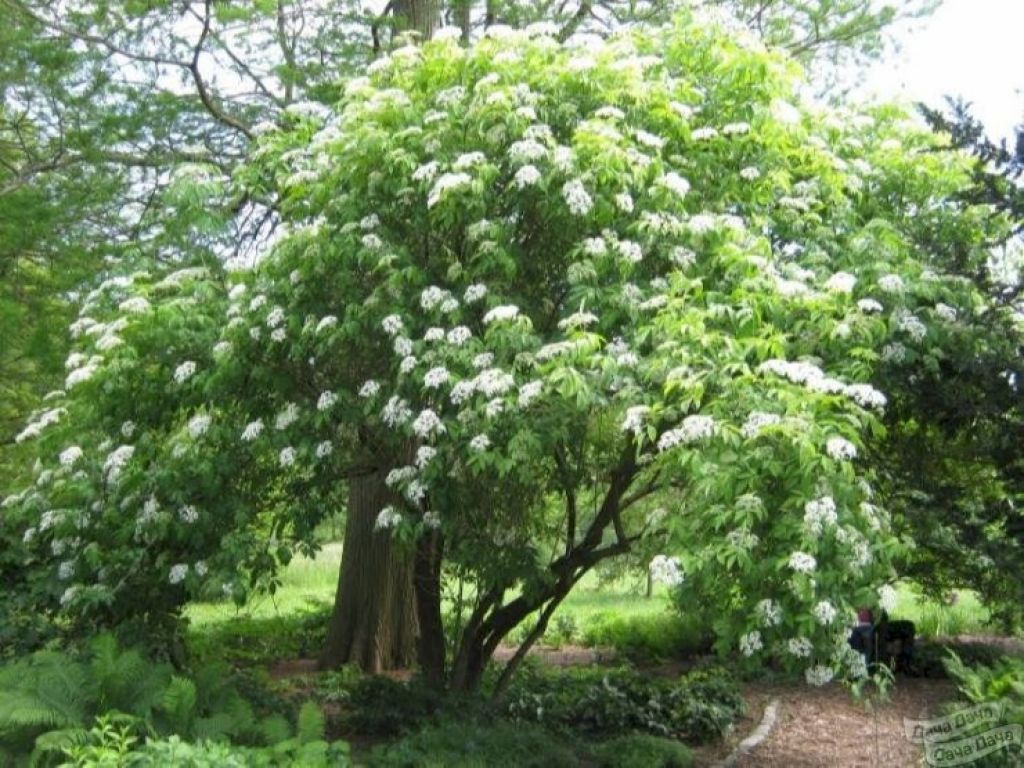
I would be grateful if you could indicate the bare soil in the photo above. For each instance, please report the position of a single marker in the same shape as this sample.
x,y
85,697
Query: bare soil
x,y
826,727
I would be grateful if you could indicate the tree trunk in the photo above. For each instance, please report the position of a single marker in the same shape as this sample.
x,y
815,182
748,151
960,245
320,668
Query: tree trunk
x,y
420,16
373,624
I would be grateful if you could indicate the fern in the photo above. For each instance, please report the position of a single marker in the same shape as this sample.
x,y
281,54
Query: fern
x,y
57,743
274,729
178,704
311,724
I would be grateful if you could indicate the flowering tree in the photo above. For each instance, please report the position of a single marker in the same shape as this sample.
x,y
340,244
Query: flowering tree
x,y
562,296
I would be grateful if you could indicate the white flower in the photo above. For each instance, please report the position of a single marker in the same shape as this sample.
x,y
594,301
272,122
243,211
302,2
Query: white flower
x,y
501,313
198,425
869,306
887,598
911,325
134,305
80,375
577,320
372,242
431,519
800,647
424,454
865,395
529,392
388,517
818,675
399,476
702,223
483,360
459,335
493,381
480,443
66,570
474,293
758,420
769,612
408,364
630,251
675,183
435,377
402,346
624,202
432,296
946,312
326,401
328,321
278,335
801,562
415,491
649,139
840,449
703,134
237,291
70,455
750,173
445,184
252,431
370,388
184,371
221,348
526,176
895,352
841,282
427,424
595,246
287,456
434,334
257,302
201,568
526,151
666,570
324,449
577,198
693,428
178,573
891,283
396,412
287,416
634,421
426,172
449,305
819,514
392,324
825,613
188,514
750,643
468,160
275,317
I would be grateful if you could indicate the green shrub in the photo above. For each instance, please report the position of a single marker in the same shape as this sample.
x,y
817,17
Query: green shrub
x,y
1000,682
642,751
699,707
644,639
381,706
930,657
453,744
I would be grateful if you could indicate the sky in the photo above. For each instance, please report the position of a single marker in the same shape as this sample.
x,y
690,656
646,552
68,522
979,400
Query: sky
x,y
971,48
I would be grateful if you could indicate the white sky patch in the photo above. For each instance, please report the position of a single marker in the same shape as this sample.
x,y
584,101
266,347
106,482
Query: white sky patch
x,y
968,48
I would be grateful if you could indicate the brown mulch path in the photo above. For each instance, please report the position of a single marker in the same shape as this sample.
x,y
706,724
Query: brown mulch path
x,y
819,727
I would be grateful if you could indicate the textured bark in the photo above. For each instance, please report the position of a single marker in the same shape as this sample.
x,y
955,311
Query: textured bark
x,y
374,621
420,16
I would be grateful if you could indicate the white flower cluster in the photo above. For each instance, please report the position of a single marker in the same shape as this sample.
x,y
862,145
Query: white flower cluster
x,y
812,377
428,424
396,411
178,573
674,183
841,282
818,675
70,455
529,392
577,198
825,613
326,401
198,425
114,464
869,306
445,184
188,514
389,517
911,325
501,313
769,612
634,421
287,457
252,431
818,515
480,443
435,377
758,420
666,570
184,371
286,417
692,429
887,598
800,647
801,562
891,283
39,423
474,293
751,643
840,449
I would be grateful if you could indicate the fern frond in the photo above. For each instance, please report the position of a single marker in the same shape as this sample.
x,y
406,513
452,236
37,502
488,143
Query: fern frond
x,y
274,729
311,723
178,703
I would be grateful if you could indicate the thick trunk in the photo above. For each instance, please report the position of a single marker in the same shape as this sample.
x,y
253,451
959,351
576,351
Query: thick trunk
x,y
427,580
420,16
373,624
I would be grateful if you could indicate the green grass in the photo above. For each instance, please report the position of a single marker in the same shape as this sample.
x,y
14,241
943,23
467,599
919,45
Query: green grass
x,y
595,613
